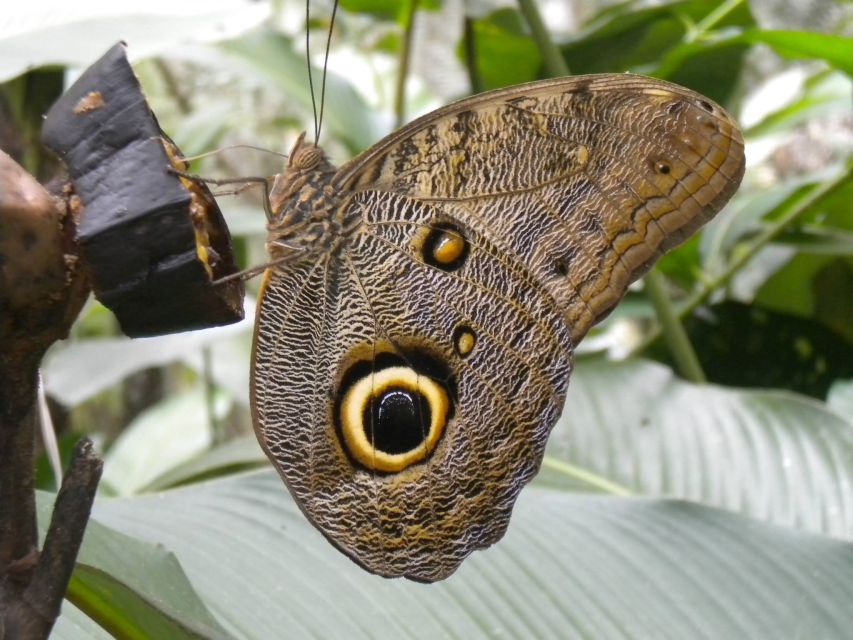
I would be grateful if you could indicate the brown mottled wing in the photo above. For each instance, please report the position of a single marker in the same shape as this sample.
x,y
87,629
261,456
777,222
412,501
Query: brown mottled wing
x,y
564,191
583,180
423,521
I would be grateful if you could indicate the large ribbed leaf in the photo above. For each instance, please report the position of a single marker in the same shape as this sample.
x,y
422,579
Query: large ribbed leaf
x,y
132,588
778,456
570,566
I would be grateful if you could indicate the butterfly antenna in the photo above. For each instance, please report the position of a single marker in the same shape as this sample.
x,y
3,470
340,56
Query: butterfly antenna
x,y
230,147
308,61
325,68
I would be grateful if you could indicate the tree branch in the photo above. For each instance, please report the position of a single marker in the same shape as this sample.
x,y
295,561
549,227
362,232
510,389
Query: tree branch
x,y
40,602
41,292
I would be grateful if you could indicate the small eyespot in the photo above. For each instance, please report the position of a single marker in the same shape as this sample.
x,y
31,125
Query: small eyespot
x,y
662,167
561,267
464,340
445,247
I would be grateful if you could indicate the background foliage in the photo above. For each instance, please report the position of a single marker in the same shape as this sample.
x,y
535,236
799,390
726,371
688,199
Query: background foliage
x,y
665,508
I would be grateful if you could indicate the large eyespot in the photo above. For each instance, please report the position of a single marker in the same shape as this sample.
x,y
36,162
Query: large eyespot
x,y
443,246
392,416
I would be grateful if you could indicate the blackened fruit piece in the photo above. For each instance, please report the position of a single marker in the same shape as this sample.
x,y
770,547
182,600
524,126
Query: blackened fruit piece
x,y
152,241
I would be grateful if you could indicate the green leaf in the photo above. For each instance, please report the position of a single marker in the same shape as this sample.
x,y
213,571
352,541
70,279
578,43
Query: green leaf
x,y
835,50
808,286
505,54
235,455
73,624
824,94
381,8
133,589
711,68
818,240
773,455
682,266
722,58
158,440
626,37
570,567
746,214
387,9
834,210
81,369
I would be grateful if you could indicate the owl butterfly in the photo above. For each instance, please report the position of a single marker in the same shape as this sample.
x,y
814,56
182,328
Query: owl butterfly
x,y
414,339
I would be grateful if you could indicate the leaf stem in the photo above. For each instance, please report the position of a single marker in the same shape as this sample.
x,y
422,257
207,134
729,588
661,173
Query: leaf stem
x,y
555,64
673,331
770,232
709,21
216,429
585,476
470,49
405,58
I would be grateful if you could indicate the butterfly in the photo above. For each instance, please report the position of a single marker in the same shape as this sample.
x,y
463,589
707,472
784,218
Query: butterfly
x,y
414,336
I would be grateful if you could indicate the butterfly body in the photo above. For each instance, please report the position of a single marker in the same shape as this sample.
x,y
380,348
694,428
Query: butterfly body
x,y
307,205
414,343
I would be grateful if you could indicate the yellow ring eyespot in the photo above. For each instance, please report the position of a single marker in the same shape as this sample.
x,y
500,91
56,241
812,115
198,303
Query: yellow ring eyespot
x,y
393,418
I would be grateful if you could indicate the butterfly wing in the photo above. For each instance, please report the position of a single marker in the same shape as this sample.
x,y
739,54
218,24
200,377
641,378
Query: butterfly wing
x,y
405,382
585,180
485,333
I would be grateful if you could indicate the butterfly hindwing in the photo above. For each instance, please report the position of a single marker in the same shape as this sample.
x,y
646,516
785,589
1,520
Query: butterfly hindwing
x,y
490,338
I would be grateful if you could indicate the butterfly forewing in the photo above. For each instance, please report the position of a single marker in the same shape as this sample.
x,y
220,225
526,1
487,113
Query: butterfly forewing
x,y
586,180
409,365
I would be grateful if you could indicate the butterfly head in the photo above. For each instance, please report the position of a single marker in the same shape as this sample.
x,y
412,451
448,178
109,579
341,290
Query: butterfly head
x,y
302,203
305,156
